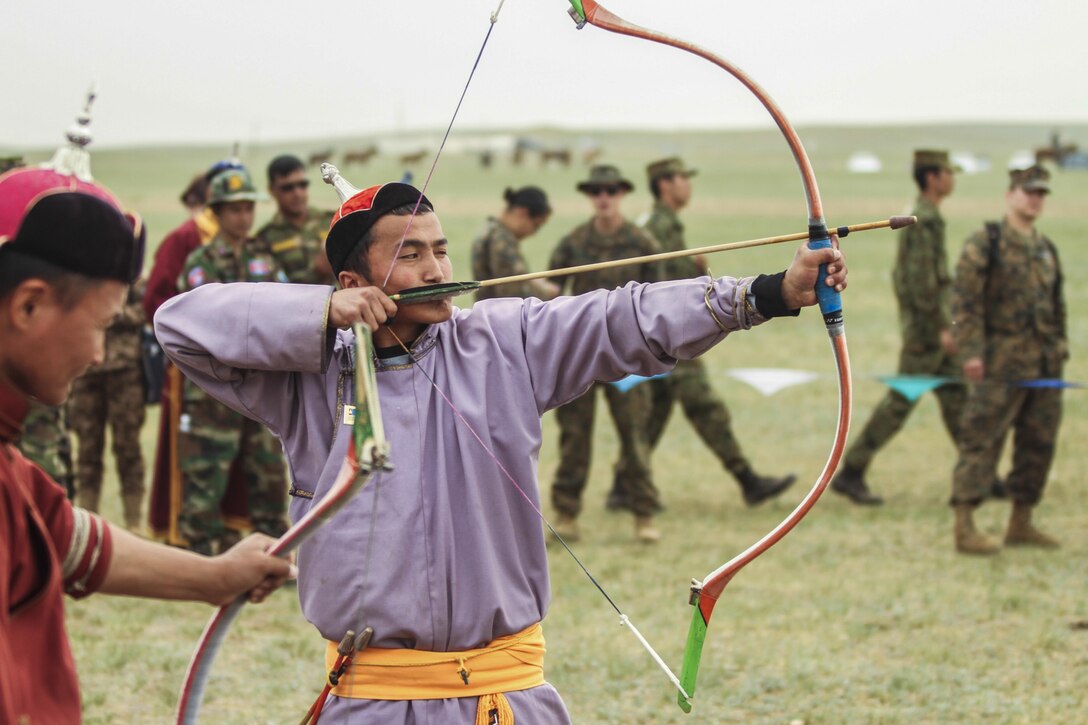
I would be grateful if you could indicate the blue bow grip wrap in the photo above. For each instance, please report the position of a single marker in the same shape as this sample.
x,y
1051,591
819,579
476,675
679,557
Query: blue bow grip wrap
x,y
830,300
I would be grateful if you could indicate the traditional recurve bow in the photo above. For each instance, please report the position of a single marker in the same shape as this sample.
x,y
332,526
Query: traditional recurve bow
x,y
705,592
368,452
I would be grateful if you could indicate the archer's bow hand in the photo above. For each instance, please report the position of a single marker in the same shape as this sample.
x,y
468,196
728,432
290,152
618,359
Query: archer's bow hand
x,y
799,284
367,305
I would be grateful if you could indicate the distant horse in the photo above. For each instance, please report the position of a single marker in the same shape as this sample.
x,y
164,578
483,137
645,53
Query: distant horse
x,y
412,159
591,154
560,156
319,157
360,156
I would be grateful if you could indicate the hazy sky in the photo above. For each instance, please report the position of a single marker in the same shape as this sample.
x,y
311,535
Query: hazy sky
x,y
259,71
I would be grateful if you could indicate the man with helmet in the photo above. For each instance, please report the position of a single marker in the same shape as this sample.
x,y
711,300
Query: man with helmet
x,y
212,437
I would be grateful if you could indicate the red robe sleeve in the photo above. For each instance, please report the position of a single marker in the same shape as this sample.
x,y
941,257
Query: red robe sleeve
x,y
162,282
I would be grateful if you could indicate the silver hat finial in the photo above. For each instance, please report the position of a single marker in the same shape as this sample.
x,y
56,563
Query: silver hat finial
x,y
74,159
331,175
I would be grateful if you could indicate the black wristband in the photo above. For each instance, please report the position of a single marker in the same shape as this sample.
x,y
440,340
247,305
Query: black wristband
x,y
767,289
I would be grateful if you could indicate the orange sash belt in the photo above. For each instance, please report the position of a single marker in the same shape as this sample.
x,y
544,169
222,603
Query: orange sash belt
x,y
507,664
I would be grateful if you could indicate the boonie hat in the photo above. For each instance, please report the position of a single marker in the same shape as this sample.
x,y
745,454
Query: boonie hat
x,y
1033,178
604,175
668,167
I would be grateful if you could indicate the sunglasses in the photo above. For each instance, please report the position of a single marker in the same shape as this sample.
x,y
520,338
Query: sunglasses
x,y
304,184
598,190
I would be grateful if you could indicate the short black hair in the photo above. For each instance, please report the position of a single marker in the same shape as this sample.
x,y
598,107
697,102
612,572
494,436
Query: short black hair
x,y
196,193
655,184
70,287
282,166
357,259
531,198
921,173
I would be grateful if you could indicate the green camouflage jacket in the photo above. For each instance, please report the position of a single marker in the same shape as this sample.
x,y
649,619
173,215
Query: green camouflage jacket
x,y
1008,306
45,441
497,253
923,285
585,245
664,226
296,248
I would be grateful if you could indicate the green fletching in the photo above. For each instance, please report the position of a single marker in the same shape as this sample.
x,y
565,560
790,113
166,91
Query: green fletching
x,y
693,651
433,292
362,429
577,4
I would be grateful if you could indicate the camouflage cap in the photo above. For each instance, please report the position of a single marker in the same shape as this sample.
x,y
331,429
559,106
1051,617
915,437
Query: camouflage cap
x,y
604,175
232,184
924,158
1033,178
668,167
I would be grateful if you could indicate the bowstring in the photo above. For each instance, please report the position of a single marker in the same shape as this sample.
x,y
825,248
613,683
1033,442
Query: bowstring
x,y
442,146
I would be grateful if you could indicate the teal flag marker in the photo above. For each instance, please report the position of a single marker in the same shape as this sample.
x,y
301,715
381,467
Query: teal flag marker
x,y
913,387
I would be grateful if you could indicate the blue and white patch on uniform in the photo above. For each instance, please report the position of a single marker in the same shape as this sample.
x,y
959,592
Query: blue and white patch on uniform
x,y
259,268
281,276
196,277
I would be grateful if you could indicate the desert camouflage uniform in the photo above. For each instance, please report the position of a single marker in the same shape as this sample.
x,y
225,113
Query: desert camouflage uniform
x,y
212,435
497,253
688,382
113,393
923,289
296,248
45,441
1009,310
629,410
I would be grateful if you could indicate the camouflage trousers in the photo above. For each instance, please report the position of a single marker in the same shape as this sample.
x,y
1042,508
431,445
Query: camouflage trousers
x,y
116,399
892,411
689,385
990,412
45,441
629,412
211,437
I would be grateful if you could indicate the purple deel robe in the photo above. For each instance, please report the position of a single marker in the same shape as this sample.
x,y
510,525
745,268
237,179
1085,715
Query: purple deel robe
x,y
457,555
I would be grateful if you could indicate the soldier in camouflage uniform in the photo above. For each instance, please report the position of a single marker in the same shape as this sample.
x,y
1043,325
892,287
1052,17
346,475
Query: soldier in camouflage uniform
x,y
296,234
45,441
496,251
113,392
212,435
606,236
923,288
1010,322
670,185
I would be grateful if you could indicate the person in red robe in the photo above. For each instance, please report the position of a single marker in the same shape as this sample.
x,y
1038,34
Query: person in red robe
x,y
67,256
162,284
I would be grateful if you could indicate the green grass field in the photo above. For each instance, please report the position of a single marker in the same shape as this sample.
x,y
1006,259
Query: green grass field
x,y
860,616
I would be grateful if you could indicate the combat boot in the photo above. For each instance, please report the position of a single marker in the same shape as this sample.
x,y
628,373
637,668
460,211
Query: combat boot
x,y
1022,532
566,526
132,505
645,531
87,499
851,483
758,489
968,539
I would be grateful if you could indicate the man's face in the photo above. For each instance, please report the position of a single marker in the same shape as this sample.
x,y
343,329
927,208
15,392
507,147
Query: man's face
x,y
422,260
291,193
606,199
675,190
944,181
57,343
235,218
1028,205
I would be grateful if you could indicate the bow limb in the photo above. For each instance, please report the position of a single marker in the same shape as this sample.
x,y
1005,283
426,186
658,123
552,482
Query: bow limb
x,y
368,452
705,593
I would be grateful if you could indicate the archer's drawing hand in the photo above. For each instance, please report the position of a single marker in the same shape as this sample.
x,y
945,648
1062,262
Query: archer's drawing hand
x,y
368,305
799,284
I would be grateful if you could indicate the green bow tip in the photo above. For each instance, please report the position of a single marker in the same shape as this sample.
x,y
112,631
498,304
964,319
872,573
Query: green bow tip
x,y
577,12
693,651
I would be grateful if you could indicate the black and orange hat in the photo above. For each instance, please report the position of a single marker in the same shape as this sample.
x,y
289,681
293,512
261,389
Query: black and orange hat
x,y
358,213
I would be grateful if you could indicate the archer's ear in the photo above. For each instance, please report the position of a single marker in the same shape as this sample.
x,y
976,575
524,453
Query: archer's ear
x,y
349,280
